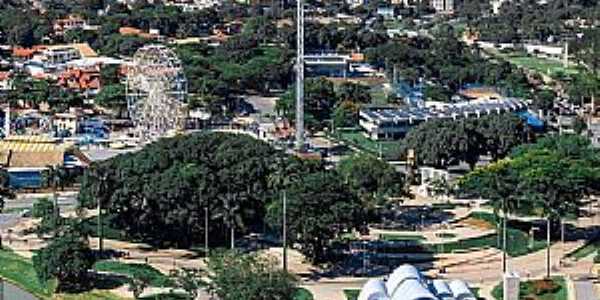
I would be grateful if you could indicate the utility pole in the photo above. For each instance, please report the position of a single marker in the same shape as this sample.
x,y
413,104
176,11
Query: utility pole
x,y
548,247
102,190
206,230
504,215
284,233
300,77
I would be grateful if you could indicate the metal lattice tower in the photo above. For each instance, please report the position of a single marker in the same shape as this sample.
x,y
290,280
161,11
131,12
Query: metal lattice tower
x,y
300,77
156,91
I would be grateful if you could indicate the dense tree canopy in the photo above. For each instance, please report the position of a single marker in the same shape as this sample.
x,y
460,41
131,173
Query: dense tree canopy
x,y
66,258
319,207
547,179
237,276
160,192
441,143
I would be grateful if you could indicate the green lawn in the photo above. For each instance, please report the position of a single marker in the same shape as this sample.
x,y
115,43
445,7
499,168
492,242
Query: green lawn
x,y
20,272
357,139
540,65
91,295
303,294
517,244
586,250
378,96
166,296
351,294
400,237
157,278
527,290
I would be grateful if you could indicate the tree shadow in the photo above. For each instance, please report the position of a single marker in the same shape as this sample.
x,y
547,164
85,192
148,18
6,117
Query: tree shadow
x,y
376,258
102,281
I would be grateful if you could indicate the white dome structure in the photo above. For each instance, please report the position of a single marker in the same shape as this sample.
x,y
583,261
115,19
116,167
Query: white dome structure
x,y
412,289
407,283
461,290
442,290
401,274
374,289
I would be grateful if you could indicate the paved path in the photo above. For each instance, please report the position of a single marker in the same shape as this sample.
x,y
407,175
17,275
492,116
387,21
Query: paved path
x,y
584,290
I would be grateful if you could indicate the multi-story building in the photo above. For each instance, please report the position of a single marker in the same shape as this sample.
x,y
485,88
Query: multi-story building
x,y
393,123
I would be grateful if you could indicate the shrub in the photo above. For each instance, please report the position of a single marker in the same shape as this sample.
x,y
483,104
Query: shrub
x,y
42,208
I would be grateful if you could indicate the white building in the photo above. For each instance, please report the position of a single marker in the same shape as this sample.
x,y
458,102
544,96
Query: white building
x,y
65,122
443,6
407,283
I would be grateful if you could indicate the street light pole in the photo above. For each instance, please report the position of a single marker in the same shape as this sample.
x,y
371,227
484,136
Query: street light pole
x,y
284,234
504,215
100,224
206,230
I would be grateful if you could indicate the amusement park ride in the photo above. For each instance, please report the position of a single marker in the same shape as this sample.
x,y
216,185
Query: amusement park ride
x,y
156,90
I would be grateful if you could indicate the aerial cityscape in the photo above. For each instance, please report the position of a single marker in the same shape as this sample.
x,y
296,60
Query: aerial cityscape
x,y
300,149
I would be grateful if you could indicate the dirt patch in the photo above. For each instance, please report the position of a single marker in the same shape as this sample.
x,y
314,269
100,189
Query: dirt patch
x,y
477,223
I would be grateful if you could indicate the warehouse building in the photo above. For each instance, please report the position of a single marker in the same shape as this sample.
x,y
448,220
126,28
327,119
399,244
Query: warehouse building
x,y
393,123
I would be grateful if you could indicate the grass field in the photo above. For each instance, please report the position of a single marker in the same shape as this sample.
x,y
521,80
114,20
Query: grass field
x,y
20,272
400,237
303,294
546,66
586,250
157,279
358,140
528,290
517,244
351,294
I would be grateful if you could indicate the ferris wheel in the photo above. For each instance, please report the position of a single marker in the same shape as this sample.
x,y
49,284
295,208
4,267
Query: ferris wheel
x,y
156,90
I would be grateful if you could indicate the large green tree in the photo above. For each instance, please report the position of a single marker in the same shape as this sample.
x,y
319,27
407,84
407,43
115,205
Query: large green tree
x,y
547,179
237,276
66,258
320,207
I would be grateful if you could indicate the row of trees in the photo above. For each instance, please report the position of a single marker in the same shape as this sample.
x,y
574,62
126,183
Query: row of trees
x,y
527,20
324,102
68,260
441,143
548,179
448,63
164,193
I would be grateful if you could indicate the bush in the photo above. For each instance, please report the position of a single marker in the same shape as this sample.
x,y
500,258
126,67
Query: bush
x,y
236,276
42,208
67,258
544,286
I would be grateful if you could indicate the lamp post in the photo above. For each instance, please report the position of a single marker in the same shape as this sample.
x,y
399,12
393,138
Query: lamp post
x,y
284,233
206,230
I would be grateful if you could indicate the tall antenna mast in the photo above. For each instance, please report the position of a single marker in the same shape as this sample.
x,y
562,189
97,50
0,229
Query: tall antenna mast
x,y
300,77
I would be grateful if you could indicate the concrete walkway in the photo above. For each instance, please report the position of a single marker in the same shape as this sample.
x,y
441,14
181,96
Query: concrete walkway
x,y
584,290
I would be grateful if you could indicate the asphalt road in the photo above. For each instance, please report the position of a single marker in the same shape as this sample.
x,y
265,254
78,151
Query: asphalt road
x,y
23,201
8,220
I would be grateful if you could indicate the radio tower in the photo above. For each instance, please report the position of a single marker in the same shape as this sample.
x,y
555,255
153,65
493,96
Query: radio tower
x,y
300,78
